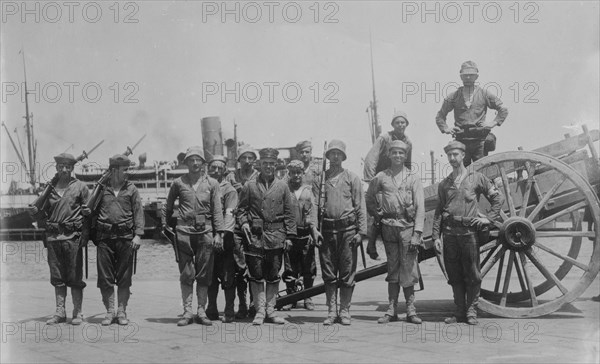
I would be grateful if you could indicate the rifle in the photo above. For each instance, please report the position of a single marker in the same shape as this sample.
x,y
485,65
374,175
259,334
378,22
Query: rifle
x,y
171,235
322,196
96,194
42,201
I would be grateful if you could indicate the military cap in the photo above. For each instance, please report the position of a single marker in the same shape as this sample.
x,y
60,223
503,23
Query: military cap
x,y
295,164
398,144
454,145
195,150
469,68
246,149
303,145
218,158
119,160
400,114
268,153
65,158
335,144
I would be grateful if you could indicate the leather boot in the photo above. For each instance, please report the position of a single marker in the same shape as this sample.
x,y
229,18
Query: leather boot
x,y
77,296
241,288
391,314
411,311
271,298
187,292
345,302
202,292
331,301
212,312
459,300
258,291
108,298
59,315
229,305
123,294
471,304
308,303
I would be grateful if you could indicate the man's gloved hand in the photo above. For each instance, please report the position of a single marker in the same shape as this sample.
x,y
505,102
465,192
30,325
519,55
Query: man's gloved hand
x,y
356,240
480,222
85,211
218,242
287,245
437,244
135,243
415,242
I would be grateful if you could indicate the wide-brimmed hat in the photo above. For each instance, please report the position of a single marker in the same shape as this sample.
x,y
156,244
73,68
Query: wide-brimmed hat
x,y
336,145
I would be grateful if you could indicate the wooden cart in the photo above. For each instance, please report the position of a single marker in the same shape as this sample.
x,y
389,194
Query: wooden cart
x,y
544,252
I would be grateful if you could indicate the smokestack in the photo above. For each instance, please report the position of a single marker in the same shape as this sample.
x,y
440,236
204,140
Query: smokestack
x,y
212,138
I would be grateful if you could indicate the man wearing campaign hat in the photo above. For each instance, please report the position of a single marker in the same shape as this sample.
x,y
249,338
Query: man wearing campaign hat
x,y
470,103
119,223
224,268
63,237
266,216
246,158
401,211
458,220
378,159
344,226
312,168
300,260
200,226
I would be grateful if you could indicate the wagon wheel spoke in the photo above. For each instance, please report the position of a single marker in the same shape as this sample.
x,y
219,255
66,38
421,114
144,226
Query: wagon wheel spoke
x,y
499,274
555,216
527,192
545,199
489,255
503,216
561,256
519,274
549,275
564,233
491,245
486,268
506,187
530,286
511,259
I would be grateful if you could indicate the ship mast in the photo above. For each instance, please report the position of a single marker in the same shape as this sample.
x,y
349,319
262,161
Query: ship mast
x,y
29,129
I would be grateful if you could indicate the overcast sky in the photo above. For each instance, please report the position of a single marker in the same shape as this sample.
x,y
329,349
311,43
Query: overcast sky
x,y
161,66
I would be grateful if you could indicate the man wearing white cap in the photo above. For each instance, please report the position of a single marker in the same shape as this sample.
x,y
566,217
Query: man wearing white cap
x,y
378,159
344,226
246,157
199,232
470,103
402,213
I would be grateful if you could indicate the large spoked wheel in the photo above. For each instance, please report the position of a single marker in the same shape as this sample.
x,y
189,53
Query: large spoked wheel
x,y
540,255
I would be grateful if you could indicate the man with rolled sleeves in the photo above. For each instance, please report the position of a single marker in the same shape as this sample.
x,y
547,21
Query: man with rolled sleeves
x,y
265,214
401,211
300,260
119,230
246,157
377,159
457,218
199,232
63,236
344,226
224,269
470,104
312,168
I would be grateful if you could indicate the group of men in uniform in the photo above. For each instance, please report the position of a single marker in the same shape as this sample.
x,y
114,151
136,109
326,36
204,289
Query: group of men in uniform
x,y
240,228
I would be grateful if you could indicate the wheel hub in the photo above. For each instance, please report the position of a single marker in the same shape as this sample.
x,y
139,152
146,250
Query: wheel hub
x,y
517,233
